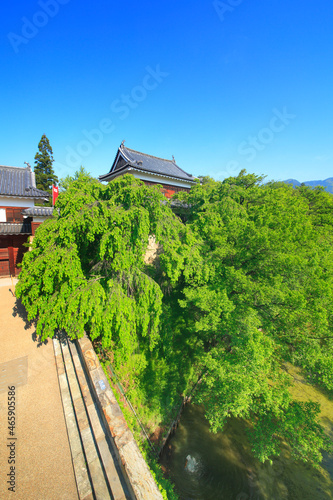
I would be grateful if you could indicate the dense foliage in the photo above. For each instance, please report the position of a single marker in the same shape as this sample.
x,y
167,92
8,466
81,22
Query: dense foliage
x,y
262,296
86,270
45,175
238,290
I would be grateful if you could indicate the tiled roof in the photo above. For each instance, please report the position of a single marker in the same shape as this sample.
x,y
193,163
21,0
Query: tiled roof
x,y
147,163
12,228
38,211
15,181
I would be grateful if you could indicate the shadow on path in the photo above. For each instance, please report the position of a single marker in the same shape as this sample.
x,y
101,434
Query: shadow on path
x,y
20,310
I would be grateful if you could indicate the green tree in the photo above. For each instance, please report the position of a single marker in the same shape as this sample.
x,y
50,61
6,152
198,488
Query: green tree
x,y
245,286
259,296
45,175
86,270
67,181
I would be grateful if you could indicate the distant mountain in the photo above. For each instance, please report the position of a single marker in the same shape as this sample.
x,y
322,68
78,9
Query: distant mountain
x,y
327,183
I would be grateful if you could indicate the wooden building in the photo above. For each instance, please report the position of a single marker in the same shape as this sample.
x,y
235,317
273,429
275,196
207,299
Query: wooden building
x,y
151,170
18,215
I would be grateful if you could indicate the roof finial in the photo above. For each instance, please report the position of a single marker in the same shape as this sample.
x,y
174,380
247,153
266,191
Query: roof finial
x,y
28,164
122,143
173,159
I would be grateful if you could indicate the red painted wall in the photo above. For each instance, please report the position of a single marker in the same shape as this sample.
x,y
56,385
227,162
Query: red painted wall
x,y
11,254
167,189
34,226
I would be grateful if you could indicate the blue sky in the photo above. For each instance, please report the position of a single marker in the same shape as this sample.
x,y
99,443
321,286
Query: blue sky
x,y
221,85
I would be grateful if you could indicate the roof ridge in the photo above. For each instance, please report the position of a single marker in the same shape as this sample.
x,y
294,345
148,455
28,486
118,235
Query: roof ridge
x,y
159,158
8,166
151,156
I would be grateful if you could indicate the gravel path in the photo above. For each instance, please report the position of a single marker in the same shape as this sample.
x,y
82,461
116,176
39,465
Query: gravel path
x,y
43,464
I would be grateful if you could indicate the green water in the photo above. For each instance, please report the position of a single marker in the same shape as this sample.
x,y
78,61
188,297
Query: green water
x,y
206,466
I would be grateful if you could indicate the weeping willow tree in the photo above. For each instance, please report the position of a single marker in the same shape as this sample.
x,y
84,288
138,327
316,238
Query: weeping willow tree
x,y
86,270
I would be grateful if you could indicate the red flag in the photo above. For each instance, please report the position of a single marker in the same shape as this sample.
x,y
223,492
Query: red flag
x,y
55,193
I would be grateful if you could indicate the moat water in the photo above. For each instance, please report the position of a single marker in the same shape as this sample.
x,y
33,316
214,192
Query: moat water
x,y
206,466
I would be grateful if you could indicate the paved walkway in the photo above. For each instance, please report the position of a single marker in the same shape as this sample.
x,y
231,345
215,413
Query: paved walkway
x,y
43,463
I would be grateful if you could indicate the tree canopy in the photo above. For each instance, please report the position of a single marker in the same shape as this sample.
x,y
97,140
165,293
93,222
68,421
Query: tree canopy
x,y
262,296
237,291
86,270
45,175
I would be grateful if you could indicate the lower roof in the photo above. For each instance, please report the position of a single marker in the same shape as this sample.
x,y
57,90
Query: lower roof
x,y
38,211
11,228
144,174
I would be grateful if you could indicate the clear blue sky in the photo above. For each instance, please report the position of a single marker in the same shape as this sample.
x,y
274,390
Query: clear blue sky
x,y
219,85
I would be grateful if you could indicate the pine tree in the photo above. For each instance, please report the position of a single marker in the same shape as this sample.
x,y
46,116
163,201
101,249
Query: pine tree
x,y
44,172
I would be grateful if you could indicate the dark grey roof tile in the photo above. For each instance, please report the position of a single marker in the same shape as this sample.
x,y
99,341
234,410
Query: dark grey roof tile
x,y
127,157
16,181
155,164
7,228
38,211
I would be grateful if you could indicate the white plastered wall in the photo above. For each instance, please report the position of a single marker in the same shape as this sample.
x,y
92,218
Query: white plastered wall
x,y
13,201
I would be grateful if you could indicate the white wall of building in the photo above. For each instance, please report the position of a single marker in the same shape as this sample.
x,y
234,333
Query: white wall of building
x,y
39,219
159,179
14,201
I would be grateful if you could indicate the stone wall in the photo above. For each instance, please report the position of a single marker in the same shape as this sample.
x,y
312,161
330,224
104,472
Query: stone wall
x,y
139,476
153,250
